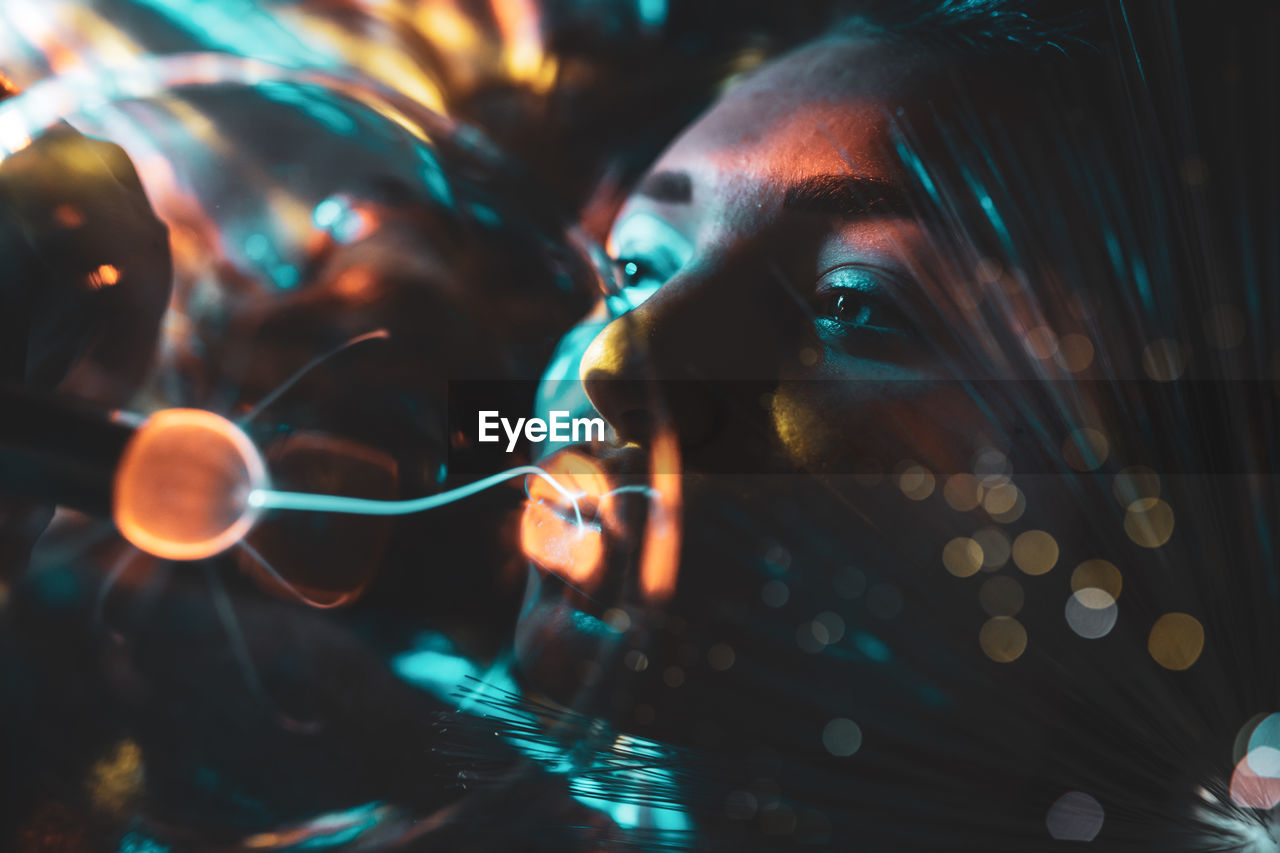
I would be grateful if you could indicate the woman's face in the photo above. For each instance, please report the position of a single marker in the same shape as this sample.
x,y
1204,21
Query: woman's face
x,y
772,268
771,250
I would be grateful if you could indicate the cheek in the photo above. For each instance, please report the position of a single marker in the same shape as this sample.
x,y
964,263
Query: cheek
x,y
849,427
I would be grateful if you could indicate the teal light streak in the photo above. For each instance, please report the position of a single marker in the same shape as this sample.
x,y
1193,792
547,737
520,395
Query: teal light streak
x,y
271,499
134,842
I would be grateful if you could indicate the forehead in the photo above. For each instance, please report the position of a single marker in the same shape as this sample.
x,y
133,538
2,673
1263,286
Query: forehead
x,y
822,109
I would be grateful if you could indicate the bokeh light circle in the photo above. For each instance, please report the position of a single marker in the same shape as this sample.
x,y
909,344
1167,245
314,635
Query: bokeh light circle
x,y
1001,596
962,557
1176,641
842,737
1085,449
1149,522
1003,639
1035,552
962,492
1135,483
1091,613
1075,816
1100,574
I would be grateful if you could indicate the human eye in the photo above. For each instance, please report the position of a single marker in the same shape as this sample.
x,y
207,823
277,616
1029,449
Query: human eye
x,y
636,279
639,271
645,253
855,306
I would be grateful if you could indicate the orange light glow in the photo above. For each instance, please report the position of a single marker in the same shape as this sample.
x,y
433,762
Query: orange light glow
x,y
104,276
68,216
560,545
582,476
550,536
660,560
523,55
182,486
355,284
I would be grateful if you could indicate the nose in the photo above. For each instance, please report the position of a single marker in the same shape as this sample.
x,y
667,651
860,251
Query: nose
x,y
702,348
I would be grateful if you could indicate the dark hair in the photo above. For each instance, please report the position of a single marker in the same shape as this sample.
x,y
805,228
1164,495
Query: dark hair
x,y
982,26
1000,27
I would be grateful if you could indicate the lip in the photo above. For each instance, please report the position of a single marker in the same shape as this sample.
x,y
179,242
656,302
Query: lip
x,y
578,571
604,485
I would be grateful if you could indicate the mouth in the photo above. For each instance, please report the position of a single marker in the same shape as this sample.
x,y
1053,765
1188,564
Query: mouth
x,y
583,544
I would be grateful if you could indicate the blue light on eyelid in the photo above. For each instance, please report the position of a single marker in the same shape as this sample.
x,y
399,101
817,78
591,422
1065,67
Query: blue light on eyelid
x,y
645,236
630,298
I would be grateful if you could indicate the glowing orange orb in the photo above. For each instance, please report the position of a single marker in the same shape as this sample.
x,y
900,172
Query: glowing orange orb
x,y
182,487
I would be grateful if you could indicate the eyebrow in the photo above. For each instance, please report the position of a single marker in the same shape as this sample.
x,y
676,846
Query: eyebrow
x,y
670,187
847,196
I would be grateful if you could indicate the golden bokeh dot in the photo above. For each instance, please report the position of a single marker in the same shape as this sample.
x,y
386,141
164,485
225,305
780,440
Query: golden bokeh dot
x,y
1224,326
962,492
1003,639
995,547
721,656
1097,574
1001,596
1135,483
1041,342
1149,522
1000,499
1176,640
1035,552
1075,351
1094,598
962,557
1163,360
1014,512
916,482
1085,449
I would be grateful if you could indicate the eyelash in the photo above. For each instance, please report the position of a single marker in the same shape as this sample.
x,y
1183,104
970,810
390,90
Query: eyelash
x,y
875,314
636,281
872,311
832,303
